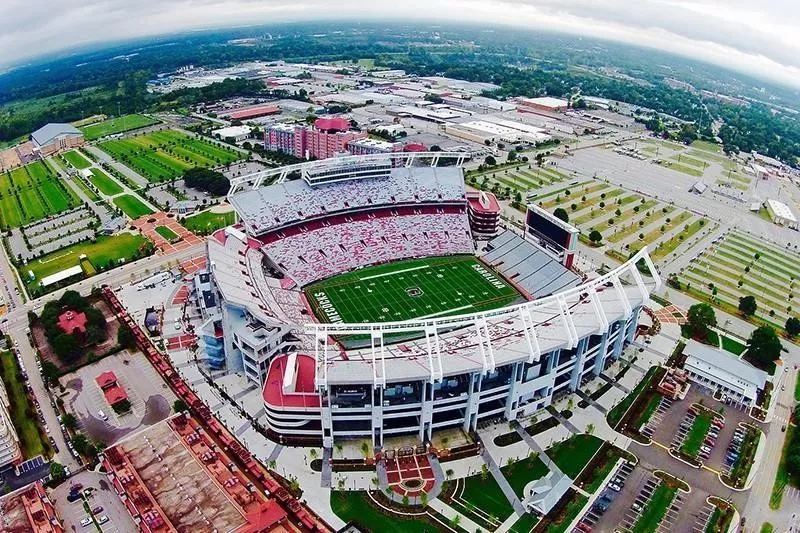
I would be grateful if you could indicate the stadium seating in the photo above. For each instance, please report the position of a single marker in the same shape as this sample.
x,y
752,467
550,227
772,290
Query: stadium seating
x,y
287,203
346,242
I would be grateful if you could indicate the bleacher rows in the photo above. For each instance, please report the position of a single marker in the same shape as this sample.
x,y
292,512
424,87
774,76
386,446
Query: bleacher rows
x,y
530,267
276,206
329,250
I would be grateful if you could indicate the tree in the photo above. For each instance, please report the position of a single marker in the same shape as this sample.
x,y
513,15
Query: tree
x,y
69,421
490,160
748,305
49,372
701,317
561,214
57,472
179,406
595,236
764,347
125,337
793,326
65,346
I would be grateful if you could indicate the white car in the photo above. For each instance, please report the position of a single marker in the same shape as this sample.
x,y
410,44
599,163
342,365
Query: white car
x,y
103,519
86,521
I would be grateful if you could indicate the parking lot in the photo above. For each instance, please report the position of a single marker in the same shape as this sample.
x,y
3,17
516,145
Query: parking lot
x,y
151,400
611,505
103,496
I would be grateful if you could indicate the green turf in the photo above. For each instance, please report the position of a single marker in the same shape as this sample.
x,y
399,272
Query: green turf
x,y
525,524
575,505
697,434
163,155
573,454
406,290
356,506
708,146
33,192
486,495
77,160
654,510
132,206
522,472
104,250
116,125
206,222
618,411
105,183
26,425
732,345
166,233
78,181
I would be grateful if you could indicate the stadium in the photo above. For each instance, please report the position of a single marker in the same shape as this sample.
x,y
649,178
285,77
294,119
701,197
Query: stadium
x,y
354,293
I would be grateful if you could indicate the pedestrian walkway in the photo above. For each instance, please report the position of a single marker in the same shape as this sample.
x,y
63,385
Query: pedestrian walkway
x,y
501,480
616,383
448,512
564,422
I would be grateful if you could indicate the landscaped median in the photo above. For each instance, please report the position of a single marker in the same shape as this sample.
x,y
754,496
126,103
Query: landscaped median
x,y
785,476
722,516
628,415
740,471
656,508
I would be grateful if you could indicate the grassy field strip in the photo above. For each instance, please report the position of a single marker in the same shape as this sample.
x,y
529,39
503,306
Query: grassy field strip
x,y
206,222
707,146
731,183
697,434
609,207
26,425
732,251
762,276
700,286
723,281
750,279
85,188
609,211
654,511
634,225
678,167
665,248
132,206
584,191
779,257
627,216
582,206
76,160
656,234
33,192
116,125
105,183
166,233
681,159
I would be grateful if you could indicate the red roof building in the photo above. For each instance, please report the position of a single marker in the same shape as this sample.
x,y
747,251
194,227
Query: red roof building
x,y
69,321
107,381
246,113
484,213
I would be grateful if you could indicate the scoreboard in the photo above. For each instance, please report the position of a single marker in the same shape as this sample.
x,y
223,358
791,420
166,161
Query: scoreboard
x,y
551,233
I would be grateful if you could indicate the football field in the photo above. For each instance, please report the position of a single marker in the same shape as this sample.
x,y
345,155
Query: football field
x,y
404,290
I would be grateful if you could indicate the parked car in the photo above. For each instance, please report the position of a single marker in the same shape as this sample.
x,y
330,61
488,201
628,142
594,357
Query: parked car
x,y
97,510
102,520
86,521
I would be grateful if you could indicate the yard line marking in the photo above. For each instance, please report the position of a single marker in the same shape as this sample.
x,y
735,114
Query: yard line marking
x,y
393,273
453,310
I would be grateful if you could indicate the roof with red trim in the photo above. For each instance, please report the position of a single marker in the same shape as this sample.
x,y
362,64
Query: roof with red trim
x,y
303,394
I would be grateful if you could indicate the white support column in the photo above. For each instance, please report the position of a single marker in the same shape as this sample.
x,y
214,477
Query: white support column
x,y
487,353
566,316
599,311
623,298
434,353
529,329
321,374
649,262
637,277
378,363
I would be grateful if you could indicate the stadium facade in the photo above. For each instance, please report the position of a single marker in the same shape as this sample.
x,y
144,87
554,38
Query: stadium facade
x,y
404,377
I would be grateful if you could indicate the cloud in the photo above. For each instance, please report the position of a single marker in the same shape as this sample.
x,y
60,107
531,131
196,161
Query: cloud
x,y
757,38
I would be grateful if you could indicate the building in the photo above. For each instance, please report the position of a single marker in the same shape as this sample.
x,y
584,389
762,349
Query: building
x,y
29,509
448,372
237,133
544,103
724,373
10,451
56,137
484,214
781,214
112,391
328,137
481,131
372,146
250,112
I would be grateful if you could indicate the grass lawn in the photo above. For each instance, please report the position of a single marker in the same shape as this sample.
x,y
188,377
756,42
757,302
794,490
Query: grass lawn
x,y
735,347
680,167
33,192
782,477
77,160
88,191
766,527
166,233
406,290
708,146
522,472
132,206
356,506
797,390
105,183
618,411
486,495
650,408
697,434
116,125
103,251
207,222
22,415
655,509
575,453
524,524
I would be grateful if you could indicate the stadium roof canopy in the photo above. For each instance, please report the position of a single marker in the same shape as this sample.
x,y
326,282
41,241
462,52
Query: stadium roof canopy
x,y
48,132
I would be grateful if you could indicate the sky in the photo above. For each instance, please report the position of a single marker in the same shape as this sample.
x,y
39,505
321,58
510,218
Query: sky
x,y
759,38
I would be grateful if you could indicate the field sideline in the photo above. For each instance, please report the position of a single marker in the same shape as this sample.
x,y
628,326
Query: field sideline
x,y
405,290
